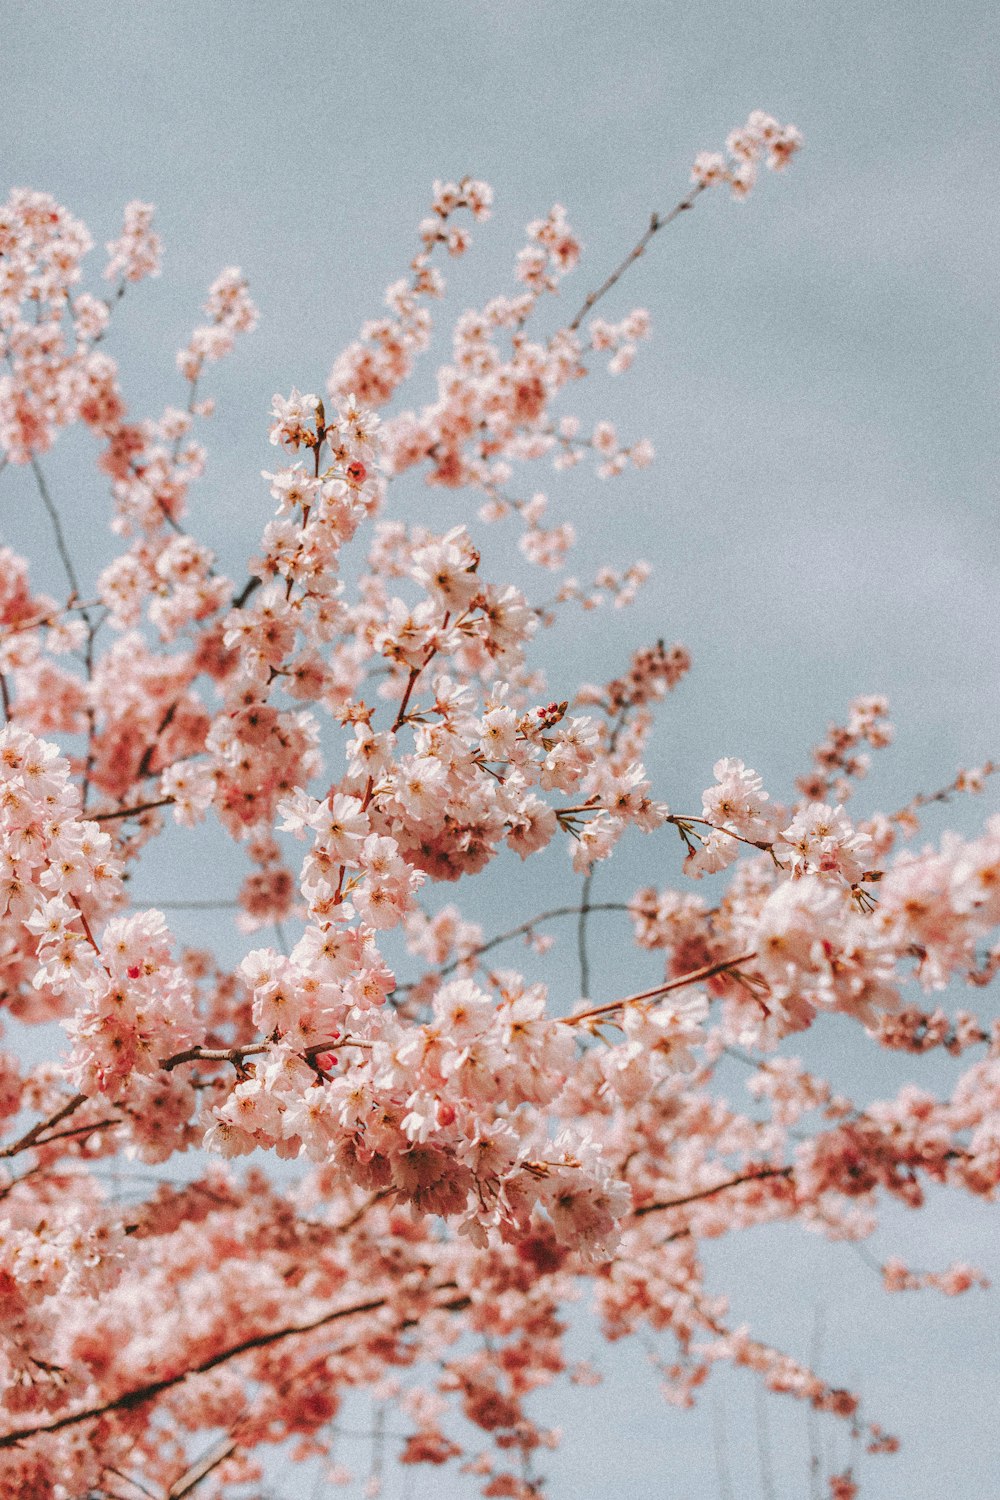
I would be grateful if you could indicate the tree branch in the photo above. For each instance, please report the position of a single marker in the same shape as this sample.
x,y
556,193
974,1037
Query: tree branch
x,y
581,935
30,1137
132,812
720,1187
519,931
707,971
60,537
656,223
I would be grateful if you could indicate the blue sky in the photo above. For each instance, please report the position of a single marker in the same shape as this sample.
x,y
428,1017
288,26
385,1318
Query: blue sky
x,y
821,518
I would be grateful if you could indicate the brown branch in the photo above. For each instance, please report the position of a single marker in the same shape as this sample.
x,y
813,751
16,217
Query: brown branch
x,y
250,587
707,971
415,673
656,223
396,724
40,621
680,822
9,1187
132,812
128,1400
359,1213
519,931
24,1142
234,1055
63,1135
92,626
90,710
128,1479
720,1187
944,793
151,748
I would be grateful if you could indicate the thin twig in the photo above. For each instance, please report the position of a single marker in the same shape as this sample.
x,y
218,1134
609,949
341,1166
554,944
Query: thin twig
x,y
720,1187
707,971
521,930
944,793
28,1139
656,223
581,935
91,1129
60,537
132,812
90,710
128,1478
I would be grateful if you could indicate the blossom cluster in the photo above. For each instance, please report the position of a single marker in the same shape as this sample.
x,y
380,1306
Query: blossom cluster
x,y
760,139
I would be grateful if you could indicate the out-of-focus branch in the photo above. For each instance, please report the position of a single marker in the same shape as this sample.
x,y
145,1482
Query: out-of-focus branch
x,y
581,935
30,1137
138,1395
57,529
720,1187
132,812
521,930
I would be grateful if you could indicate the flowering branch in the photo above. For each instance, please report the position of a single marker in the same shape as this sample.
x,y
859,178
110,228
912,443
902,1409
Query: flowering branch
x,y
138,1395
476,1140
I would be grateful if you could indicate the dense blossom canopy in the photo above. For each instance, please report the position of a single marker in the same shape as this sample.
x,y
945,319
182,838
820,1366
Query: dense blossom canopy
x,y
369,691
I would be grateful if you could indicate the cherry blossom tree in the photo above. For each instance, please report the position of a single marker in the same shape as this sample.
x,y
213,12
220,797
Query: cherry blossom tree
x,y
362,714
